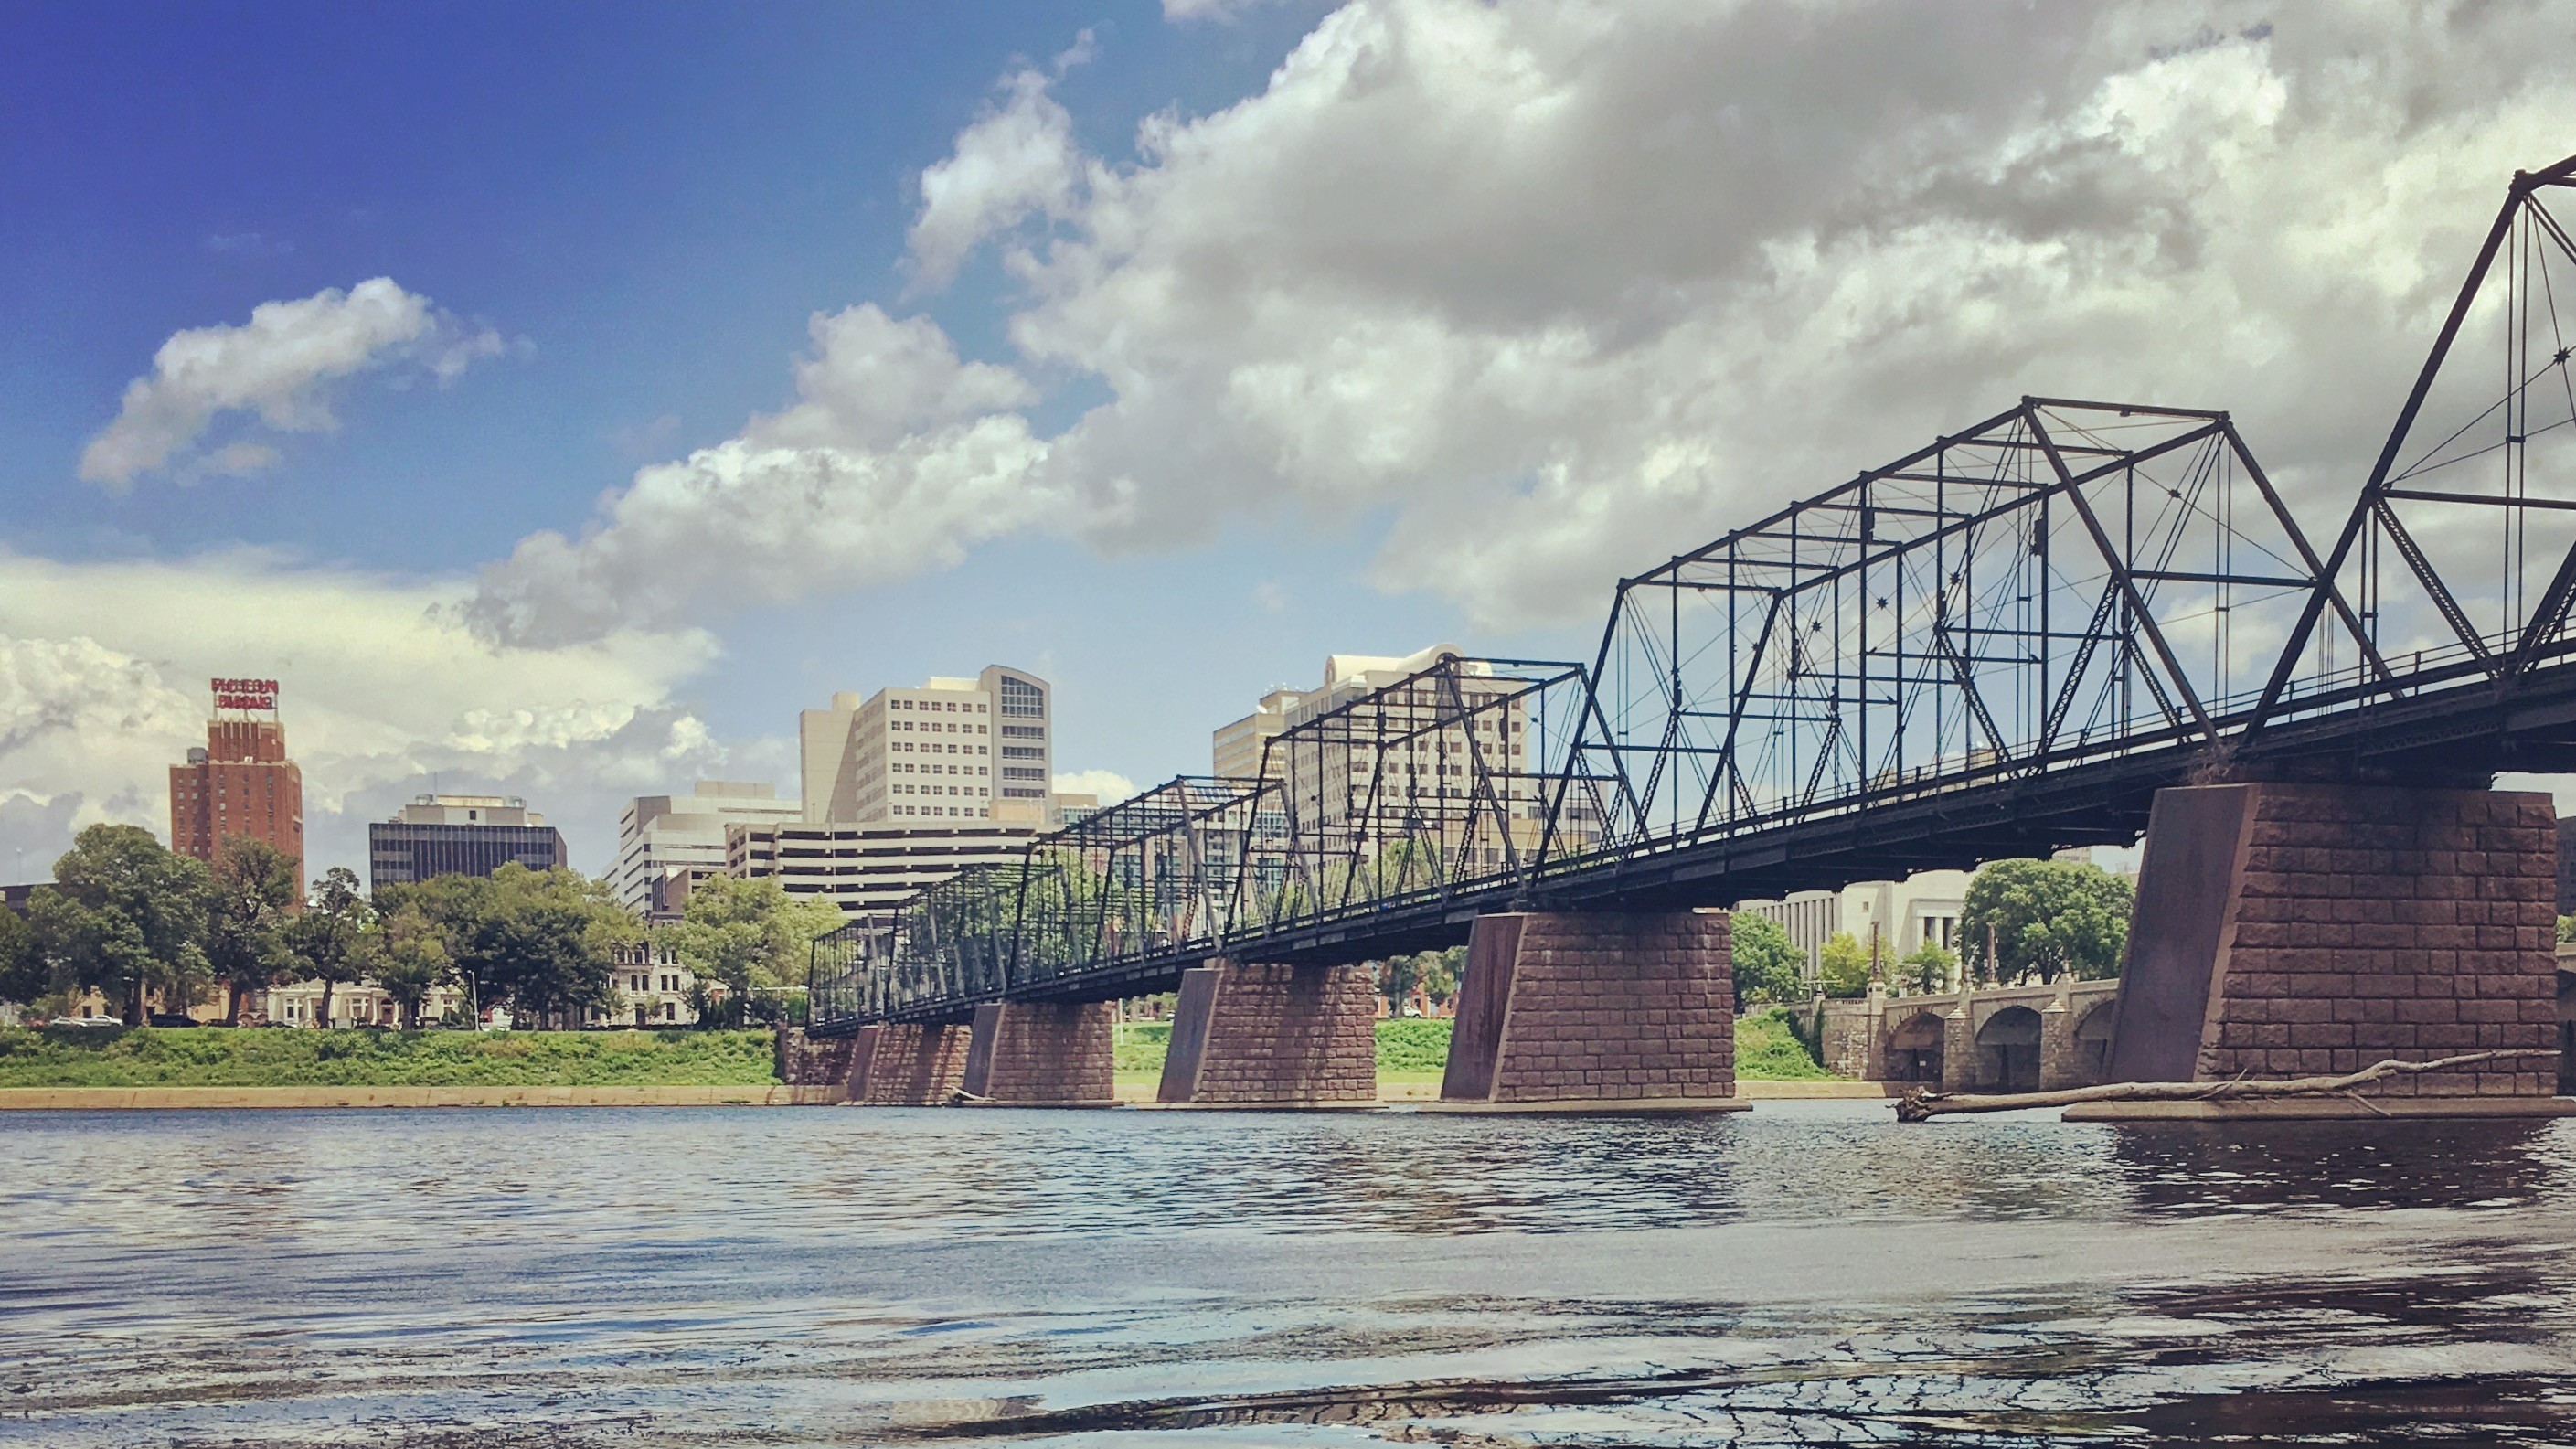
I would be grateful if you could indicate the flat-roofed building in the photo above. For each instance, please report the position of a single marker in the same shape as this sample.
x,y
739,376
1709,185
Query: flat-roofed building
x,y
660,836
459,835
869,869
948,749
1236,748
241,784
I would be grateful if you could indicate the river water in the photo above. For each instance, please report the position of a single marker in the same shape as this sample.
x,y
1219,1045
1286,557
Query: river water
x,y
1806,1273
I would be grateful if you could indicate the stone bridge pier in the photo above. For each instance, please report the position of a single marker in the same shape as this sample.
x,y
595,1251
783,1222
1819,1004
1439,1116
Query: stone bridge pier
x,y
2307,929
1608,1011
1257,1034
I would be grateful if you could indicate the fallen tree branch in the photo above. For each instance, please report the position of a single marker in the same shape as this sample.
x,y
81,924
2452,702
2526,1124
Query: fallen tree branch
x,y
1920,1105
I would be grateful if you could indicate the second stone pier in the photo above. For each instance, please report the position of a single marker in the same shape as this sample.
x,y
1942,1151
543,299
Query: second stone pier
x,y
1607,1011
1043,1054
1250,1034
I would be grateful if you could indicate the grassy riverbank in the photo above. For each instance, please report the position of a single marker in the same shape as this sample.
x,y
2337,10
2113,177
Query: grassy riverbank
x,y
1418,1051
220,1057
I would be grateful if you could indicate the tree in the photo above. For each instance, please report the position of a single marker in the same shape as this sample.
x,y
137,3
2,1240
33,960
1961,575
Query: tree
x,y
23,973
750,934
406,956
125,916
253,886
1929,967
541,939
1436,973
329,939
2045,916
1844,965
1766,960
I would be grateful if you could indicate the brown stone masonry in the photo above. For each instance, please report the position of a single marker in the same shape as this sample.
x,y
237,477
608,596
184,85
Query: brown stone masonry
x,y
913,1066
2353,924
1601,1007
1044,1054
810,1061
1256,1035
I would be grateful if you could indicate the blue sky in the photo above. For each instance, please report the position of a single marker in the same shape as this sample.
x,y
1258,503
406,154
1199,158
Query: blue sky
x,y
1161,348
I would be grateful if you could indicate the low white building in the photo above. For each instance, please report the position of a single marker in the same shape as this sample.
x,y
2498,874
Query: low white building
x,y
651,985
1892,917
355,1003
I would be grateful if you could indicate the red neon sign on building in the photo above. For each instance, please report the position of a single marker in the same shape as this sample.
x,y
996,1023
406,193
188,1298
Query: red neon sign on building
x,y
245,694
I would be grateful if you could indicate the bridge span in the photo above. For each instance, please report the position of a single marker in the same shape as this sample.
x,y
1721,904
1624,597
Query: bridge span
x,y
2073,622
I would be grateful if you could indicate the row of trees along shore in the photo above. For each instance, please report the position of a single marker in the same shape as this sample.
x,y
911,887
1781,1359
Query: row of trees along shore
x,y
136,922
2042,918
2021,920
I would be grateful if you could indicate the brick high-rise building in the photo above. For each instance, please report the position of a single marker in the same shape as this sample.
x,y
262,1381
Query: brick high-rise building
x,y
241,783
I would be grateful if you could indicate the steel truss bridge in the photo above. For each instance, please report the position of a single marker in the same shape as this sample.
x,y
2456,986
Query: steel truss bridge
x,y
2001,644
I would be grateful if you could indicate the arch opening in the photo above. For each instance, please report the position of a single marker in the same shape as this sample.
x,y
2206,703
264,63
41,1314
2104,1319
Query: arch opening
x,y
2008,1051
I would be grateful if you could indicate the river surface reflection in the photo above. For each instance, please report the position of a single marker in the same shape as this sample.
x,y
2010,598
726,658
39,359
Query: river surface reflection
x,y
1806,1273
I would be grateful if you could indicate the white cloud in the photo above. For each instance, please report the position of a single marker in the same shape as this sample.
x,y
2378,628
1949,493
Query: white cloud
x,y
383,686
1109,785
1552,290
894,459
1016,161
1560,288
276,367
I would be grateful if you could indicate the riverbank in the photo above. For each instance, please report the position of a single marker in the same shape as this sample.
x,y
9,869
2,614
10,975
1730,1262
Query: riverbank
x,y
205,1057
82,1099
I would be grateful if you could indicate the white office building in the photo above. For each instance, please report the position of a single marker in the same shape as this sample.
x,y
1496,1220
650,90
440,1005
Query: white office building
x,y
868,869
1893,918
660,837
948,750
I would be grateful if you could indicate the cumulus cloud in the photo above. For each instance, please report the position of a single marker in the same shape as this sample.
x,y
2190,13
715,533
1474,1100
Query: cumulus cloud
x,y
1110,786
1016,161
1552,289
277,367
1559,287
895,457
383,688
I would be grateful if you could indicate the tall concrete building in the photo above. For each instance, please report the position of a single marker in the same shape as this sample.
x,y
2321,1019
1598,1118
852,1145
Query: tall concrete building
x,y
459,835
660,836
241,783
1237,748
951,749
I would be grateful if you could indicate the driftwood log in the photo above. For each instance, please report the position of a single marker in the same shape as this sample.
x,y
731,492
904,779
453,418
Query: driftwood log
x,y
1921,1105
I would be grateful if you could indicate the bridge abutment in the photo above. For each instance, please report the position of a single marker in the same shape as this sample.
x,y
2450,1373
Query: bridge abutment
x,y
909,1064
1252,1034
1043,1054
2288,930
1614,1011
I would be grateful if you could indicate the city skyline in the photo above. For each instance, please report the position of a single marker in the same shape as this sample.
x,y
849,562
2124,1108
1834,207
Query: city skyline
x,y
547,442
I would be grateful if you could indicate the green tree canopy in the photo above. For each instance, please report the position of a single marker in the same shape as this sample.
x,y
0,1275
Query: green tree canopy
x,y
1767,962
329,939
125,915
750,933
542,940
1928,968
23,974
406,955
2044,917
1438,973
1844,965
253,888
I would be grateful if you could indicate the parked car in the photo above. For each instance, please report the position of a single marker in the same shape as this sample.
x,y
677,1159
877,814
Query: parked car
x,y
86,1021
